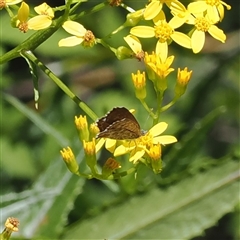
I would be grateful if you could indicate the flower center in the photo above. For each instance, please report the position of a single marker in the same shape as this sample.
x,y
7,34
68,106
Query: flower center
x,y
2,4
202,24
88,36
213,2
145,140
155,152
89,39
163,31
23,27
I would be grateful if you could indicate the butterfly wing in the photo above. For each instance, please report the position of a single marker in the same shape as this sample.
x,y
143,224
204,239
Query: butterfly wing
x,y
122,129
115,115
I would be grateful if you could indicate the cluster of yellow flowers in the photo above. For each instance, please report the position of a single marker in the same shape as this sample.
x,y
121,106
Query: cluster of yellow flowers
x,y
23,22
148,22
146,148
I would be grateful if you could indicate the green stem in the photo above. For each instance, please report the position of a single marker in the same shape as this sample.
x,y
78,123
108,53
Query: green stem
x,y
29,55
159,103
148,109
122,174
100,41
166,107
92,10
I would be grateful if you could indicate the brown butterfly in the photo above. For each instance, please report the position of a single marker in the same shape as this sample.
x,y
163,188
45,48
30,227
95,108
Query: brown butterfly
x,y
119,124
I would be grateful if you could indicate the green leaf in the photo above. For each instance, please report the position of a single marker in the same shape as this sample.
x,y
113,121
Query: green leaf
x,y
187,148
43,209
182,211
34,73
38,121
16,160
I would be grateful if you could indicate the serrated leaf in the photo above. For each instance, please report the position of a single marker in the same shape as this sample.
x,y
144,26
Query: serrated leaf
x,y
180,212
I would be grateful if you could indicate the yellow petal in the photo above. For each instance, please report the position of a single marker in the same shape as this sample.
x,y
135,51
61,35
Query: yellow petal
x,y
23,12
100,144
110,145
120,150
197,40
70,41
158,129
136,155
74,28
143,31
162,50
159,18
12,2
217,33
177,22
152,10
133,43
44,9
212,14
197,7
221,11
166,139
39,22
181,39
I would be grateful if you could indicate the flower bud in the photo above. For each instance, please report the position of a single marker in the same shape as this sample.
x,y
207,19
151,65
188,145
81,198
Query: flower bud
x,y
82,127
183,79
124,53
133,18
139,81
110,165
69,159
90,154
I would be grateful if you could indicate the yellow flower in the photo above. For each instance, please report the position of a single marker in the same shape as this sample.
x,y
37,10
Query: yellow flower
x,y
162,70
140,146
36,23
150,58
165,33
6,3
202,25
80,35
214,8
135,45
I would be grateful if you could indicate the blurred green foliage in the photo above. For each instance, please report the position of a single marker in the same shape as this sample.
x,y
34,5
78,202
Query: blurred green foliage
x,y
198,187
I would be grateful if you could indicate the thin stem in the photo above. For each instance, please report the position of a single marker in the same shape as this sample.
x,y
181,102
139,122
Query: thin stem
x,y
166,107
100,41
29,55
92,10
148,109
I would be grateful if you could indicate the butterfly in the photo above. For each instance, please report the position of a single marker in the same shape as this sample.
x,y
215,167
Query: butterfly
x,y
119,124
